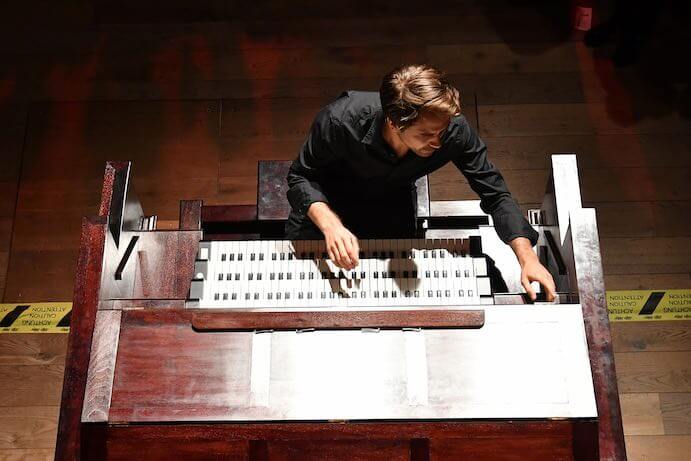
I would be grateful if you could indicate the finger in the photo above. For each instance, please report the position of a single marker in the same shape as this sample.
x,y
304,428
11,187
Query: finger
x,y
345,259
551,289
356,251
528,288
351,249
333,253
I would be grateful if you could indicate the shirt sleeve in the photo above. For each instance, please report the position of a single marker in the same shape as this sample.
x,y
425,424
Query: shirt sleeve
x,y
316,153
488,183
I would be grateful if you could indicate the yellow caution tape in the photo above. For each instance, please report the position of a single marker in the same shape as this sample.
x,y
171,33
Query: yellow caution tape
x,y
35,318
642,305
623,306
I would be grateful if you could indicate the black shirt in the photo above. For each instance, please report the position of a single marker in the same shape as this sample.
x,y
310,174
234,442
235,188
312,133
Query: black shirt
x,y
345,157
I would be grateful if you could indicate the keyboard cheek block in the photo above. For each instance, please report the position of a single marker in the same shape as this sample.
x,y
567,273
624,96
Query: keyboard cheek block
x,y
234,320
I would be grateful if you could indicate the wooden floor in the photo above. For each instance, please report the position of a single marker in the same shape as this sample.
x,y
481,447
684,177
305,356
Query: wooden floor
x,y
195,104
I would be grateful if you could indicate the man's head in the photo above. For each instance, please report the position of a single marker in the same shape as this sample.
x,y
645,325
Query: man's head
x,y
418,103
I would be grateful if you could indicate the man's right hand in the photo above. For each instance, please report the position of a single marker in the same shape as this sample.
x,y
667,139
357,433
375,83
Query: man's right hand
x,y
341,245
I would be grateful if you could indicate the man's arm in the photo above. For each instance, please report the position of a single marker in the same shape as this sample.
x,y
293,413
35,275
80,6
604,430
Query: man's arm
x,y
496,200
306,196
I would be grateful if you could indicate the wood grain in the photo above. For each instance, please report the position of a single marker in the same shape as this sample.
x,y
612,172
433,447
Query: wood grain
x,y
658,447
651,336
641,414
676,413
653,371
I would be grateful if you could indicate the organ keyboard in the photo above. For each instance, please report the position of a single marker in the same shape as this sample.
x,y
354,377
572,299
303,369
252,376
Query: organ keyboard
x,y
282,273
220,340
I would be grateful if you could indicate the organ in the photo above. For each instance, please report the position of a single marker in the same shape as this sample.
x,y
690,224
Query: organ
x,y
221,340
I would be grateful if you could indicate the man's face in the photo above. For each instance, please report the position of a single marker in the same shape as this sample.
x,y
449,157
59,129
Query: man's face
x,y
424,136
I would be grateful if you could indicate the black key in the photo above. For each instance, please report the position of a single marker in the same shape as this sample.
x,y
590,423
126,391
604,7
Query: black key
x,y
424,253
325,275
256,296
220,276
438,293
467,273
273,256
441,254
376,274
341,275
444,274
426,274
376,294
390,254
470,292
261,256
259,276
250,276
332,295
300,295
392,274
353,294
385,294
436,274
247,296
280,276
434,254
309,295
228,276
340,294
225,296
216,296
239,256
311,254
393,294
460,293
290,256
416,293
325,255
407,293
458,273
223,257
231,257
289,276
237,276
323,295
405,274
278,295
283,256
404,255
353,275
252,256
414,274
272,276
287,295
430,293
363,294
363,275
447,293
311,276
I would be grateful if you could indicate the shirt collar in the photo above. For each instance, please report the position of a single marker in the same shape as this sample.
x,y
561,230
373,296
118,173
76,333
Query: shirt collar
x,y
374,136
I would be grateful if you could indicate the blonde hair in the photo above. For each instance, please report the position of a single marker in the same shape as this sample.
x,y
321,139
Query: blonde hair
x,y
409,90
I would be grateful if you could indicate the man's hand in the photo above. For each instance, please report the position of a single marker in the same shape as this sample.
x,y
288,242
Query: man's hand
x,y
341,245
532,270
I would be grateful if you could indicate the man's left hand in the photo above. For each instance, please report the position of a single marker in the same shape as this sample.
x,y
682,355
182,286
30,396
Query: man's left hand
x,y
532,270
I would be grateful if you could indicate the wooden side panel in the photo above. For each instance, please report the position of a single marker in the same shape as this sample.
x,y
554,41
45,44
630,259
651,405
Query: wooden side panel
x,y
84,308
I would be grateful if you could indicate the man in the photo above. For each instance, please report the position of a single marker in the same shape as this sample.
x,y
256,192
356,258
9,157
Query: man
x,y
356,170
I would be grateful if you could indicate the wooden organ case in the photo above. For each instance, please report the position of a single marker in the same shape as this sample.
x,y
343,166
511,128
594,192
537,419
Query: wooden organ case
x,y
219,340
